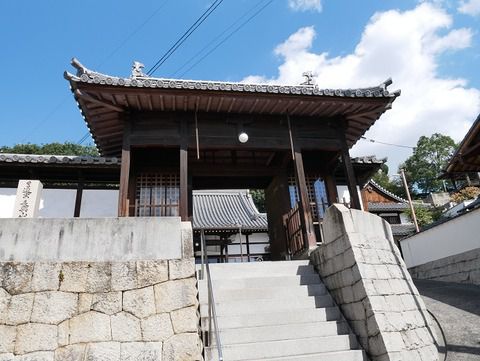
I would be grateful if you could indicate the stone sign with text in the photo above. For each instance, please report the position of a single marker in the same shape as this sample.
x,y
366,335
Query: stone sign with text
x,y
27,200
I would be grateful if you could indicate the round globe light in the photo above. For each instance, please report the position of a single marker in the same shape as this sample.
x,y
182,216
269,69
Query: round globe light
x,y
243,137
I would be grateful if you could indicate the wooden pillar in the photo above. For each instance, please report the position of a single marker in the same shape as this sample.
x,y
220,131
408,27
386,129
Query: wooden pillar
x,y
277,202
349,172
123,201
184,171
248,247
331,186
78,199
304,203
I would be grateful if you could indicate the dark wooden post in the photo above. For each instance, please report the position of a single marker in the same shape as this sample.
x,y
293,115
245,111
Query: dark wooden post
x,y
123,202
331,188
184,170
350,174
304,203
78,198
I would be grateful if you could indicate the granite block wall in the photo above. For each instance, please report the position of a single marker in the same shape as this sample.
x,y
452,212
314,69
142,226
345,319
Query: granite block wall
x,y
362,268
131,310
460,268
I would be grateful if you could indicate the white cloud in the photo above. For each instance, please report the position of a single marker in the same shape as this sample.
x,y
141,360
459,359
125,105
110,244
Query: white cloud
x,y
470,7
405,46
305,5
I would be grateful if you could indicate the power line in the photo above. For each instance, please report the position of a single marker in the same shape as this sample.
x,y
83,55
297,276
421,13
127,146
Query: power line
x,y
113,52
185,36
227,37
384,143
218,37
133,33
84,138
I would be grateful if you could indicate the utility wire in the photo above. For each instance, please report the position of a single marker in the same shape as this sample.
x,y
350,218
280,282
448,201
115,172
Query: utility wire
x,y
227,37
217,37
184,37
112,53
133,33
384,143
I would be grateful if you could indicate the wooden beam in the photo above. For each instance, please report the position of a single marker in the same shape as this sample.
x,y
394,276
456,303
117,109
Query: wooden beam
x,y
184,170
331,188
304,203
78,199
350,175
91,99
123,204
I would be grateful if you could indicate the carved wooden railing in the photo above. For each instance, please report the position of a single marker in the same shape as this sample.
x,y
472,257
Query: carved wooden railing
x,y
293,229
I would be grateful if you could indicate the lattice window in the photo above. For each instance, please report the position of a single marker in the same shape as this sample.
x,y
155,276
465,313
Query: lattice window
x,y
317,194
157,195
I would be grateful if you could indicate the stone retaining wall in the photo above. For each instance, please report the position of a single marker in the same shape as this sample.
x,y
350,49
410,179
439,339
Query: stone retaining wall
x,y
461,268
137,310
362,268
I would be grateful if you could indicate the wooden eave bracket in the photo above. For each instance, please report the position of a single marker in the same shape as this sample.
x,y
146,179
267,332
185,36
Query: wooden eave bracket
x,y
92,99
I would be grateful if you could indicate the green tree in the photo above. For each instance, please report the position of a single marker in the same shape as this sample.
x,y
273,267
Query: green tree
x,y
425,215
393,185
55,148
258,196
429,158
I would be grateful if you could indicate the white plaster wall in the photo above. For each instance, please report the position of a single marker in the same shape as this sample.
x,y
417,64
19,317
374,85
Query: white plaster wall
x,y
7,202
60,203
405,219
99,203
344,195
456,236
57,203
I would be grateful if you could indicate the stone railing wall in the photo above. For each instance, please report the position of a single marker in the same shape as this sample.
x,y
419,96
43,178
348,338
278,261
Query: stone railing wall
x,y
98,307
461,268
362,268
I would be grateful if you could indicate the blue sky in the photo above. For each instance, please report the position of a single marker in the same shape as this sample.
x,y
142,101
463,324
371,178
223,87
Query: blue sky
x,y
431,49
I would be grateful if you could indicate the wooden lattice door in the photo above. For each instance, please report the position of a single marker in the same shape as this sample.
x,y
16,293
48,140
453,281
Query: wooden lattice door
x,y
157,195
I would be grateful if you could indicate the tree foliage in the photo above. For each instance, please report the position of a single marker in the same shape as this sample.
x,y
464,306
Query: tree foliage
x,y
258,196
429,158
465,194
393,185
425,215
55,148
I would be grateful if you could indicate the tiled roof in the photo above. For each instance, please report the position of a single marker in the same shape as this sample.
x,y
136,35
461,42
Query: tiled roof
x,y
85,75
381,206
227,210
386,192
403,229
368,159
58,159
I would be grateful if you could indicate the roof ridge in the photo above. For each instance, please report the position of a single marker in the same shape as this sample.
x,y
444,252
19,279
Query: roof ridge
x,y
89,76
387,192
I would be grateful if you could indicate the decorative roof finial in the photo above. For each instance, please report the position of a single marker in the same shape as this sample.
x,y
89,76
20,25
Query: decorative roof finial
x,y
309,78
137,69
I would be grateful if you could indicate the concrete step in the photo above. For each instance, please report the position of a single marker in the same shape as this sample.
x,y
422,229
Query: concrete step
x,y
222,295
262,282
351,355
283,332
257,306
259,269
283,348
265,264
290,317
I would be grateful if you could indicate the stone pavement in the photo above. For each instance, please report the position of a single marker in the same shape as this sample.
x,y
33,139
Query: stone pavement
x,y
457,307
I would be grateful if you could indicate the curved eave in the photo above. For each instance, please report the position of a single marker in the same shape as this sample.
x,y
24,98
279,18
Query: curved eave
x,y
103,101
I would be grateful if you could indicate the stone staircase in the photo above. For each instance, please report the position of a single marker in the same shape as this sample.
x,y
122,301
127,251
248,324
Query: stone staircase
x,y
276,311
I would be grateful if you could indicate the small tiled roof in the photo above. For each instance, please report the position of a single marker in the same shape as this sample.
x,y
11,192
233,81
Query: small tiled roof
x,y
368,159
403,229
386,192
381,206
58,159
227,210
